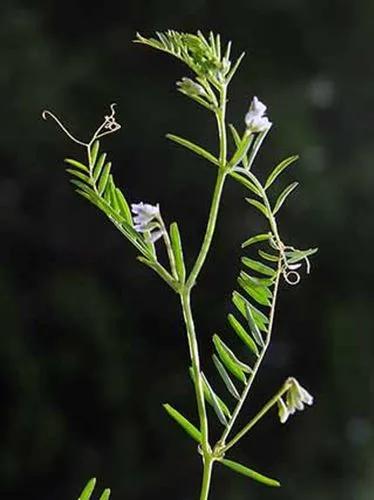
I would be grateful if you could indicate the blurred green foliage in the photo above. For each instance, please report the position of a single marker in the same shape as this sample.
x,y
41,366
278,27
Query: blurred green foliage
x,y
83,380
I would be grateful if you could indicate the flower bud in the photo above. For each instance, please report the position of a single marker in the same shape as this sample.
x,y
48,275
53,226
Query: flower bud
x,y
255,119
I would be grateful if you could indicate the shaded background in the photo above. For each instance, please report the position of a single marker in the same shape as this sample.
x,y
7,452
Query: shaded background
x,y
92,342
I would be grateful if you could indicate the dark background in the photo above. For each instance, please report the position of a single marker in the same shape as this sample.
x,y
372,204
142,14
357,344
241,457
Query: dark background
x,y
92,342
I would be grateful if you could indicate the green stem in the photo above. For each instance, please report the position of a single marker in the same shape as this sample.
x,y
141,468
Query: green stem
x,y
185,295
221,122
207,478
209,230
222,172
169,249
257,417
195,360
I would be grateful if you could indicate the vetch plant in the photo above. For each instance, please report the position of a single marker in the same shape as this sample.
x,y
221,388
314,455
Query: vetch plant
x,y
267,262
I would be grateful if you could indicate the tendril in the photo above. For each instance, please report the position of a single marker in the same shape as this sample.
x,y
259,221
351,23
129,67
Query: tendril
x,y
289,270
109,126
46,114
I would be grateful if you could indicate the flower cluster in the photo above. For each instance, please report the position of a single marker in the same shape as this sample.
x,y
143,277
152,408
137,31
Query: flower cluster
x,y
296,399
255,119
147,218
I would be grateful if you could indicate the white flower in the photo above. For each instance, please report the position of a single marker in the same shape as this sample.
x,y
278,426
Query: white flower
x,y
296,399
255,119
145,214
147,218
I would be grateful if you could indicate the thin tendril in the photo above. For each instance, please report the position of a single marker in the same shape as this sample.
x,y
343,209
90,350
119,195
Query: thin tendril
x,y
109,126
291,276
47,114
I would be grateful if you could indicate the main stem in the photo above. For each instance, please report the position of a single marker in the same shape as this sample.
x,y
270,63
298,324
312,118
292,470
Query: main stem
x,y
207,478
185,297
195,360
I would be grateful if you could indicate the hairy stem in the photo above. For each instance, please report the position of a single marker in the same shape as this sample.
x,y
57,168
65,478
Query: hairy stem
x,y
257,365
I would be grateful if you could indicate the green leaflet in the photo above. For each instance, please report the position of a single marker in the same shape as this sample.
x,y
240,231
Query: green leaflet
x,y
241,469
88,490
104,178
246,182
279,169
112,194
235,67
258,266
260,206
237,140
241,151
225,377
197,98
124,208
105,495
177,251
77,164
253,327
94,150
76,173
242,334
260,294
217,404
241,304
235,135
193,147
254,180
256,239
215,401
231,362
183,422
268,256
297,255
99,166
256,146
283,196
83,186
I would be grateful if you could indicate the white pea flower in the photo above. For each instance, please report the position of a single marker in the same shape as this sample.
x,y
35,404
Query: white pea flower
x,y
296,399
144,215
148,218
255,119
